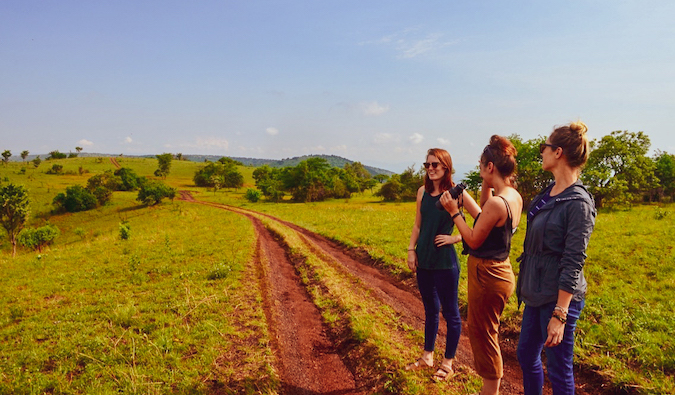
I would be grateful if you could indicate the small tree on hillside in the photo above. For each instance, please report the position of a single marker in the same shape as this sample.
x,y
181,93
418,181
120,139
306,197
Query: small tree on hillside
x,y
24,155
78,149
56,155
152,192
38,238
164,165
14,208
5,156
37,161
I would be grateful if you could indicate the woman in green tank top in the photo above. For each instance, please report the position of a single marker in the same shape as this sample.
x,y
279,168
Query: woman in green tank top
x,y
432,256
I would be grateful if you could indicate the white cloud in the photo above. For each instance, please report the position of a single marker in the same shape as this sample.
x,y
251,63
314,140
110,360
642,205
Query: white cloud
x,y
128,140
411,43
443,141
272,131
374,108
341,147
211,142
85,143
416,138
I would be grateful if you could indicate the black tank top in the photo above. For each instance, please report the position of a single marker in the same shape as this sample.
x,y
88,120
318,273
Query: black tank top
x,y
498,243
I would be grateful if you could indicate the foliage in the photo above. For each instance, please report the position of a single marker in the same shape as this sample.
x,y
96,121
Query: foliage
x,y
103,195
618,168
152,192
473,181
381,178
252,195
76,198
56,155
56,169
37,161
665,173
106,180
164,165
129,180
24,155
14,209
221,174
6,154
38,238
125,230
530,177
402,187
268,180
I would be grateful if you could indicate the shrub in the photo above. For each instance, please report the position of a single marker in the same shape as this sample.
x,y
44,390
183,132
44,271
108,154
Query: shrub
x,y
38,238
129,179
106,179
152,192
56,169
252,195
103,195
77,198
125,230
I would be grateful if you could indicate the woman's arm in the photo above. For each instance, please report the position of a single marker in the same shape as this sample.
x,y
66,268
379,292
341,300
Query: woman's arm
x,y
485,194
493,211
412,255
556,326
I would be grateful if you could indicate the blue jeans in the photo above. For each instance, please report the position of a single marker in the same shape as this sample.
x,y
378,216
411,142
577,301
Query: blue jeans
x,y
533,334
439,289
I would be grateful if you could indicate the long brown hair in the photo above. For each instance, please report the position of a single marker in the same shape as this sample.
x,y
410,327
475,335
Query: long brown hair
x,y
446,182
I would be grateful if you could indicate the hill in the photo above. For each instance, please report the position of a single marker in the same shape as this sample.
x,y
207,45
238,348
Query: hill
x,y
335,161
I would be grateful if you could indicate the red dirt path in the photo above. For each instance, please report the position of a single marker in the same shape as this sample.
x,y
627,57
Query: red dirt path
x,y
308,362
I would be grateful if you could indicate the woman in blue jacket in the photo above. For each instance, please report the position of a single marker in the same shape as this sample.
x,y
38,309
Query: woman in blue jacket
x,y
551,281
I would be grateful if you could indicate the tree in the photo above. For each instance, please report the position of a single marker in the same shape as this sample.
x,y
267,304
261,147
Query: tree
x,y
617,159
38,238
76,198
37,161
402,187
164,165
14,209
224,173
360,174
530,177
473,181
24,155
381,178
5,156
307,180
665,172
56,155
152,192
78,149
130,181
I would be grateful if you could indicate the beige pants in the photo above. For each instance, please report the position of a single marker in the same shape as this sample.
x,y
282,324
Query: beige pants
x,y
489,286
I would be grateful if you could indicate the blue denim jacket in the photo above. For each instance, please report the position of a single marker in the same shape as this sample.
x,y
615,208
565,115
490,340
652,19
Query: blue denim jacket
x,y
554,251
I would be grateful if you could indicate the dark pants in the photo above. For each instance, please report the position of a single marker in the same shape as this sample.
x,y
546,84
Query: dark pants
x,y
439,289
533,334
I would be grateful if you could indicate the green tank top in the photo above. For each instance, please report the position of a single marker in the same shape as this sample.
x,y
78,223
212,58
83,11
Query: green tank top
x,y
434,222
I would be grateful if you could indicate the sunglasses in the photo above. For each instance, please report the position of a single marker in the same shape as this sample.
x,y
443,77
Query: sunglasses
x,y
432,164
543,146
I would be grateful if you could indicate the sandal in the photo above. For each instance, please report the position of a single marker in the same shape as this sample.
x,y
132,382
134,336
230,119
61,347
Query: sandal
x,y
442,374
419,364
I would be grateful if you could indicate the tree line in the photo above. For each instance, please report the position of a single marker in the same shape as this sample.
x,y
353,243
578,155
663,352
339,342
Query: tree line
x,y
618,172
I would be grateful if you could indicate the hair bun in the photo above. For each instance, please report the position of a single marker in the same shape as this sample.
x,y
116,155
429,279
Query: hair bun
x,y
579,127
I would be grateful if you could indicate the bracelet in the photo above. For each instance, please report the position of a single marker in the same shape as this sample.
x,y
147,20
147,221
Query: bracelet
x,y
455,215
561,309
560,318
411,249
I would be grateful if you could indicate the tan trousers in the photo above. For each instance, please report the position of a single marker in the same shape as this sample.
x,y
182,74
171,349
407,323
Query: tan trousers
x,y
490,283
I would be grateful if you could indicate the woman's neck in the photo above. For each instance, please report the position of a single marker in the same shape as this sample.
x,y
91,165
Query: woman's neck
x,y
564,177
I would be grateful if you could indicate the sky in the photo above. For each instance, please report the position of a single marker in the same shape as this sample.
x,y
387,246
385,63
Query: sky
x,y
375,81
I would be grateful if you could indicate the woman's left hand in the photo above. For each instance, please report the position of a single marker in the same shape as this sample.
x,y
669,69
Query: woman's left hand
x,y
449,204
442,240
556,331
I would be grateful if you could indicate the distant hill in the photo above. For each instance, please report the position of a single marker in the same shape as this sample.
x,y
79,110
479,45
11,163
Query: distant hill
x,y
336,161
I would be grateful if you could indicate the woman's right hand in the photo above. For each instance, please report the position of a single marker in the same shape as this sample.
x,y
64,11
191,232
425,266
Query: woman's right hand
x,y
412,260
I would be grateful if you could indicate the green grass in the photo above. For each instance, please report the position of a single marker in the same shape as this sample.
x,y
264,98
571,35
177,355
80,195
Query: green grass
x,y
171,310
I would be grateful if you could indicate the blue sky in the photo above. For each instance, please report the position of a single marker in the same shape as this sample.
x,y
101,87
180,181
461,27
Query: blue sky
x,y
374,81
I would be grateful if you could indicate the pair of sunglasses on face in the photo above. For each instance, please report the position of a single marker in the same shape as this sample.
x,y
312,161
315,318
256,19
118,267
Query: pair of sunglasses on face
x,y
543,146
433,165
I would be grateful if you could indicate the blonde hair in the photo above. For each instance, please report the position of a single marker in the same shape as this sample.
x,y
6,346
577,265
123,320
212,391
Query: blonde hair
x,y
573,140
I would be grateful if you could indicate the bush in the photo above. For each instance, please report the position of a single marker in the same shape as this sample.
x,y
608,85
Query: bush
x,y
152,192
103,195
107,180
77,198
252,195
56,169
125,230
38,238
129,179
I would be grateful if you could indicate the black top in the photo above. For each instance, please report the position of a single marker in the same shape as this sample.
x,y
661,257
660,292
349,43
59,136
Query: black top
x,y
434,222
498,243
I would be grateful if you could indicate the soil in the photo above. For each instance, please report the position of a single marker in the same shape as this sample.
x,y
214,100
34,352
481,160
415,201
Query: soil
x,y
114,162
307,357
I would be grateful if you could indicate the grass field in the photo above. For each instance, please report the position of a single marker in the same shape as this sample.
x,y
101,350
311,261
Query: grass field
x,y
98,313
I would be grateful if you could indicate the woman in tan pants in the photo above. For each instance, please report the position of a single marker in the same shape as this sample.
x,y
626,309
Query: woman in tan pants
x,y
490,277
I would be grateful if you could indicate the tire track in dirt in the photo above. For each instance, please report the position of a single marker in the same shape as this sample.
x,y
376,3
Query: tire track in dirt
x,y
114,162
402,296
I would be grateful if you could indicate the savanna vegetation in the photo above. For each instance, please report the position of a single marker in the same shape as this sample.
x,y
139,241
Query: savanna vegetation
x,y
148,299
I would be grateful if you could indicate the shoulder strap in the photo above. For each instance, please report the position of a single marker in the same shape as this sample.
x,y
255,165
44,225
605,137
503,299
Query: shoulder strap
x,y
508,208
